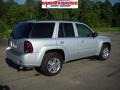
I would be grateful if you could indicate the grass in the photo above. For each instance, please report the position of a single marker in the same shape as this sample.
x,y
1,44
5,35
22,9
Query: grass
x,y
113,29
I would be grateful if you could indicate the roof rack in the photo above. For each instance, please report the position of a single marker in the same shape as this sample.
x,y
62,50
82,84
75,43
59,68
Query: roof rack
x,y
56,20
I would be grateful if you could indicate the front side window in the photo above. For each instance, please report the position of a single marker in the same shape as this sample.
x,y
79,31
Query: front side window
x,y
43,30
66,30
83,31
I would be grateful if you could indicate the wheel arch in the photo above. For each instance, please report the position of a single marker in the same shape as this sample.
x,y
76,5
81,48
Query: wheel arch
x,y
103,43
108,44
60,51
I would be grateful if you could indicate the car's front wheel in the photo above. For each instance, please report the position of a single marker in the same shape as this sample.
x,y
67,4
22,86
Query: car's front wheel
x,y
104,53
52,64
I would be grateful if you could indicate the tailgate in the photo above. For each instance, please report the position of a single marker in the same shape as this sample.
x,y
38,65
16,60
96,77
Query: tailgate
x,y
17,45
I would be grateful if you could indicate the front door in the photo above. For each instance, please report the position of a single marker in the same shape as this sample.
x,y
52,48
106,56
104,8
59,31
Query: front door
x,y
87,44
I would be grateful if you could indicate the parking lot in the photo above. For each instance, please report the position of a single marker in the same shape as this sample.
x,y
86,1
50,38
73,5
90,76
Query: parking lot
x,y
84,74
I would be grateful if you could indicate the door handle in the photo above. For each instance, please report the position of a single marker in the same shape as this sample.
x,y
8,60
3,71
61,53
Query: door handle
x,y
62,42
82,41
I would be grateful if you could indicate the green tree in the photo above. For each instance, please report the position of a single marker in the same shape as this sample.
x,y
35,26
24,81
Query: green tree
x,y
43,13
4,8
2,29
60,14
106,13
89,12
17,13
116,15
12,15
84,10
73,14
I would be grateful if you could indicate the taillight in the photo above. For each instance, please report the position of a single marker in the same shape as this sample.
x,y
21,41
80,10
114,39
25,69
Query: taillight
x,y
28,48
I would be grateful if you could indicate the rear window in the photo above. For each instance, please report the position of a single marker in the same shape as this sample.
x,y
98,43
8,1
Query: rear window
x,y
42,30
33,30
22,30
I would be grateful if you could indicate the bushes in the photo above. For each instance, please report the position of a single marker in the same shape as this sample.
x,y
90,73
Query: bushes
x,y
4,32
2,29
105,29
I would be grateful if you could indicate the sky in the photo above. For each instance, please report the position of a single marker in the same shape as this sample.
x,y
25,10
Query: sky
x,y
20,1
23,1
113,1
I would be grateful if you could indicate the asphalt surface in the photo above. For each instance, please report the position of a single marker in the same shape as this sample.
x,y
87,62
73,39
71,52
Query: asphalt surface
x,y
85,74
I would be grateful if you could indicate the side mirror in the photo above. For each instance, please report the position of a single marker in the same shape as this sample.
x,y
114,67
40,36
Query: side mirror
x,y
95,34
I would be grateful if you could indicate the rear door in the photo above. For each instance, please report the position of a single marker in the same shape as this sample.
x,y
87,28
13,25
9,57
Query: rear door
x,y
66,40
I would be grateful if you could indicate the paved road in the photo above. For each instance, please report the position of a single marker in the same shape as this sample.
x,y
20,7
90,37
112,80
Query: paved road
x,y
78,75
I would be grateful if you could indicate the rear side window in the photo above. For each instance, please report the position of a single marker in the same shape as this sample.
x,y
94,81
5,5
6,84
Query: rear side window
x,y
66,30
22,30
42,30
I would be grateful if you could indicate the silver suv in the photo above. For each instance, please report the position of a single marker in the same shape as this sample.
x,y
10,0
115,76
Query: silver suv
x,y
46,45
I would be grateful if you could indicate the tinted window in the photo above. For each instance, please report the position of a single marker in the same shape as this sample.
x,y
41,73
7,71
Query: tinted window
x,y
43,30
66,30
22,30
83,31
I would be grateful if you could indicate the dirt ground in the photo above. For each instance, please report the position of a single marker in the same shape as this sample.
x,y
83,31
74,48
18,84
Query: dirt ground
x,y
85,74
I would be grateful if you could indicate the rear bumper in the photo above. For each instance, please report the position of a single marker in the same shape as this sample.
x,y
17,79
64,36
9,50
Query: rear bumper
x,y
24,60
15,58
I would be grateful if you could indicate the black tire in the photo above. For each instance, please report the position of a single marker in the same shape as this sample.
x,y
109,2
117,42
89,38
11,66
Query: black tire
x,y
102,56
46,59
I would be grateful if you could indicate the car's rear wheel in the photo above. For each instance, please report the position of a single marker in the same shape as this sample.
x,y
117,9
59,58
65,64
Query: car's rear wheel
x,y
52,64
104,53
